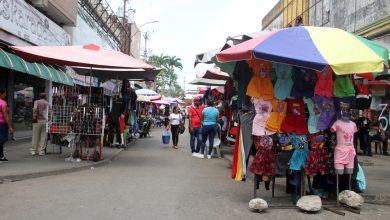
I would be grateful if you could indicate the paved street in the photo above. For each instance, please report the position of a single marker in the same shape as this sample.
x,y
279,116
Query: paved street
x,y
149,181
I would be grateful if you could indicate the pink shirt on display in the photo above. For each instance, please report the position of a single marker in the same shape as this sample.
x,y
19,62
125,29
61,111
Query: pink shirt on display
x,y
345,151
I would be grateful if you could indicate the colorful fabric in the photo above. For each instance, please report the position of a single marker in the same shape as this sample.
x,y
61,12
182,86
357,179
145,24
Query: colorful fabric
x,y
298,159
304,83
279,109
264,162
260,86
343,87
284,82
317,160
263,110
312,48
295,121
324,85
328,114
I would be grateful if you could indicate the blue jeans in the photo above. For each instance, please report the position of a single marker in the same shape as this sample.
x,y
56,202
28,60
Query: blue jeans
x,y
198,135
3,137
209,132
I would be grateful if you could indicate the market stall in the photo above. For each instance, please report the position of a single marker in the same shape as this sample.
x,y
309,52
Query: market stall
x,y
83,124
295,93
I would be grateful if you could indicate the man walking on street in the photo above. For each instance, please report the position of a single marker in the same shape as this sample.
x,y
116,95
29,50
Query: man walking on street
x,y
195,126
40,109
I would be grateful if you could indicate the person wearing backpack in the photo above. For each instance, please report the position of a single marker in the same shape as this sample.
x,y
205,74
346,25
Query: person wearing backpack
x,y
195,126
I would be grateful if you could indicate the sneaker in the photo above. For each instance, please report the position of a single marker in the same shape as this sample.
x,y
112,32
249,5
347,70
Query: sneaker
x,y
33,153
41,154
194,154
209,156
3,159
201,156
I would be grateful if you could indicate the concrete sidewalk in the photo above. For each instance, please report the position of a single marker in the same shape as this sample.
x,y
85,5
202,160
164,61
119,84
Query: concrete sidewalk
x,y
376,170
22,165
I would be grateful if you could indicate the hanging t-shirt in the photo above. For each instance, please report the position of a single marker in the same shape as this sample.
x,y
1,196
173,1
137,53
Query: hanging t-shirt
x,y
263,110
328,114
175,118
304,83
284,82
343,87
295,120
279,109
260,86
324,85
298,159
314,112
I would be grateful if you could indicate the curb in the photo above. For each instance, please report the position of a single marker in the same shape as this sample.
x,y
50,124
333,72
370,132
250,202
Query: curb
x,y
14,178
371,199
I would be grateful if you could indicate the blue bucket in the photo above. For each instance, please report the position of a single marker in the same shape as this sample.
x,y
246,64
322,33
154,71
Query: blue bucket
x,y
166,137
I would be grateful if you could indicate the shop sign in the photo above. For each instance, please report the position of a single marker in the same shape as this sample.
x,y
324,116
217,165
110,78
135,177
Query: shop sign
x,y
23,20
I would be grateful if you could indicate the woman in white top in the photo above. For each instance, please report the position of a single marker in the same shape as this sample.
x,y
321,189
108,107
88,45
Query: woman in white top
x,y
174,122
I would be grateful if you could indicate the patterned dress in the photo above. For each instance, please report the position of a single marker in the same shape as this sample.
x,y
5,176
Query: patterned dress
x,y
317,160
264,162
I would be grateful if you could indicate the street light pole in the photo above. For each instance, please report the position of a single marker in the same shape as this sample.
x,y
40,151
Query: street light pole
x,y
132,35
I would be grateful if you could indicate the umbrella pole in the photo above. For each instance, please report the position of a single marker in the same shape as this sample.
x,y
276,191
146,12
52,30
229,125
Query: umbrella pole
x,y
90,86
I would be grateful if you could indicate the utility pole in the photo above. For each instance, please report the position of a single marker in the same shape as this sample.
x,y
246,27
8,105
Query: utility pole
x,y
184,83
146,38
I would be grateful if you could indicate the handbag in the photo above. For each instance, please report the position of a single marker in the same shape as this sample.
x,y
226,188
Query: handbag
x,y
182,128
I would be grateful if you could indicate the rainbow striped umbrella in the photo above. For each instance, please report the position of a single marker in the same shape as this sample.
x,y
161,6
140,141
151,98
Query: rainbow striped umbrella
x,y
313,48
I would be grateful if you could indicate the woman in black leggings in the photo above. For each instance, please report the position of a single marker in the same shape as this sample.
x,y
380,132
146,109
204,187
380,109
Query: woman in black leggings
x,y
174,123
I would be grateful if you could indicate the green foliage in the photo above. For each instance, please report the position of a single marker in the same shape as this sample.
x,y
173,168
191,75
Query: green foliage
x,y
166,80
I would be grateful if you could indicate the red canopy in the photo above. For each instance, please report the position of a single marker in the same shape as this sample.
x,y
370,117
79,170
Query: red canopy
x,y
216,73
89,55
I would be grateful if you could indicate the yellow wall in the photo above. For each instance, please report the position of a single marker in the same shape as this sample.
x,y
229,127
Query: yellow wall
x,y
294,8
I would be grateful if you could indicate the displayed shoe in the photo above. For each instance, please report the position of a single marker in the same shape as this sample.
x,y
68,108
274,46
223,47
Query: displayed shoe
x,y
208,156
3,159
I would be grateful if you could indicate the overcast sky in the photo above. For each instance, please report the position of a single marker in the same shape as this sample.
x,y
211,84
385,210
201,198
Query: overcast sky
x,y
190,27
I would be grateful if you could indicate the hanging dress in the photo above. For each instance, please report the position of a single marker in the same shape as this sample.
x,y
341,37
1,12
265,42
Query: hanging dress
x,y
263,110
295,121
317,160
284,81
264,162
298,159
324,85
260,86
279,109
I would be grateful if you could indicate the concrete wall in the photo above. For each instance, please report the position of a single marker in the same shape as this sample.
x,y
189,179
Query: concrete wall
x,y
86,32
63,12
275,24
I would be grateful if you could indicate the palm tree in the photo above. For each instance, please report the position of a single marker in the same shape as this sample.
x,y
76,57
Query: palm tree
x,y
159,61
174,62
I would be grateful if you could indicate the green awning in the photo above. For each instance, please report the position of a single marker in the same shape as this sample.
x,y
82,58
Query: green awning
x,y
5,61
14,62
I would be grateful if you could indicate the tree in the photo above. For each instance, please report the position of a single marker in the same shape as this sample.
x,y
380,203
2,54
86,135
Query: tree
x,y
166,80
